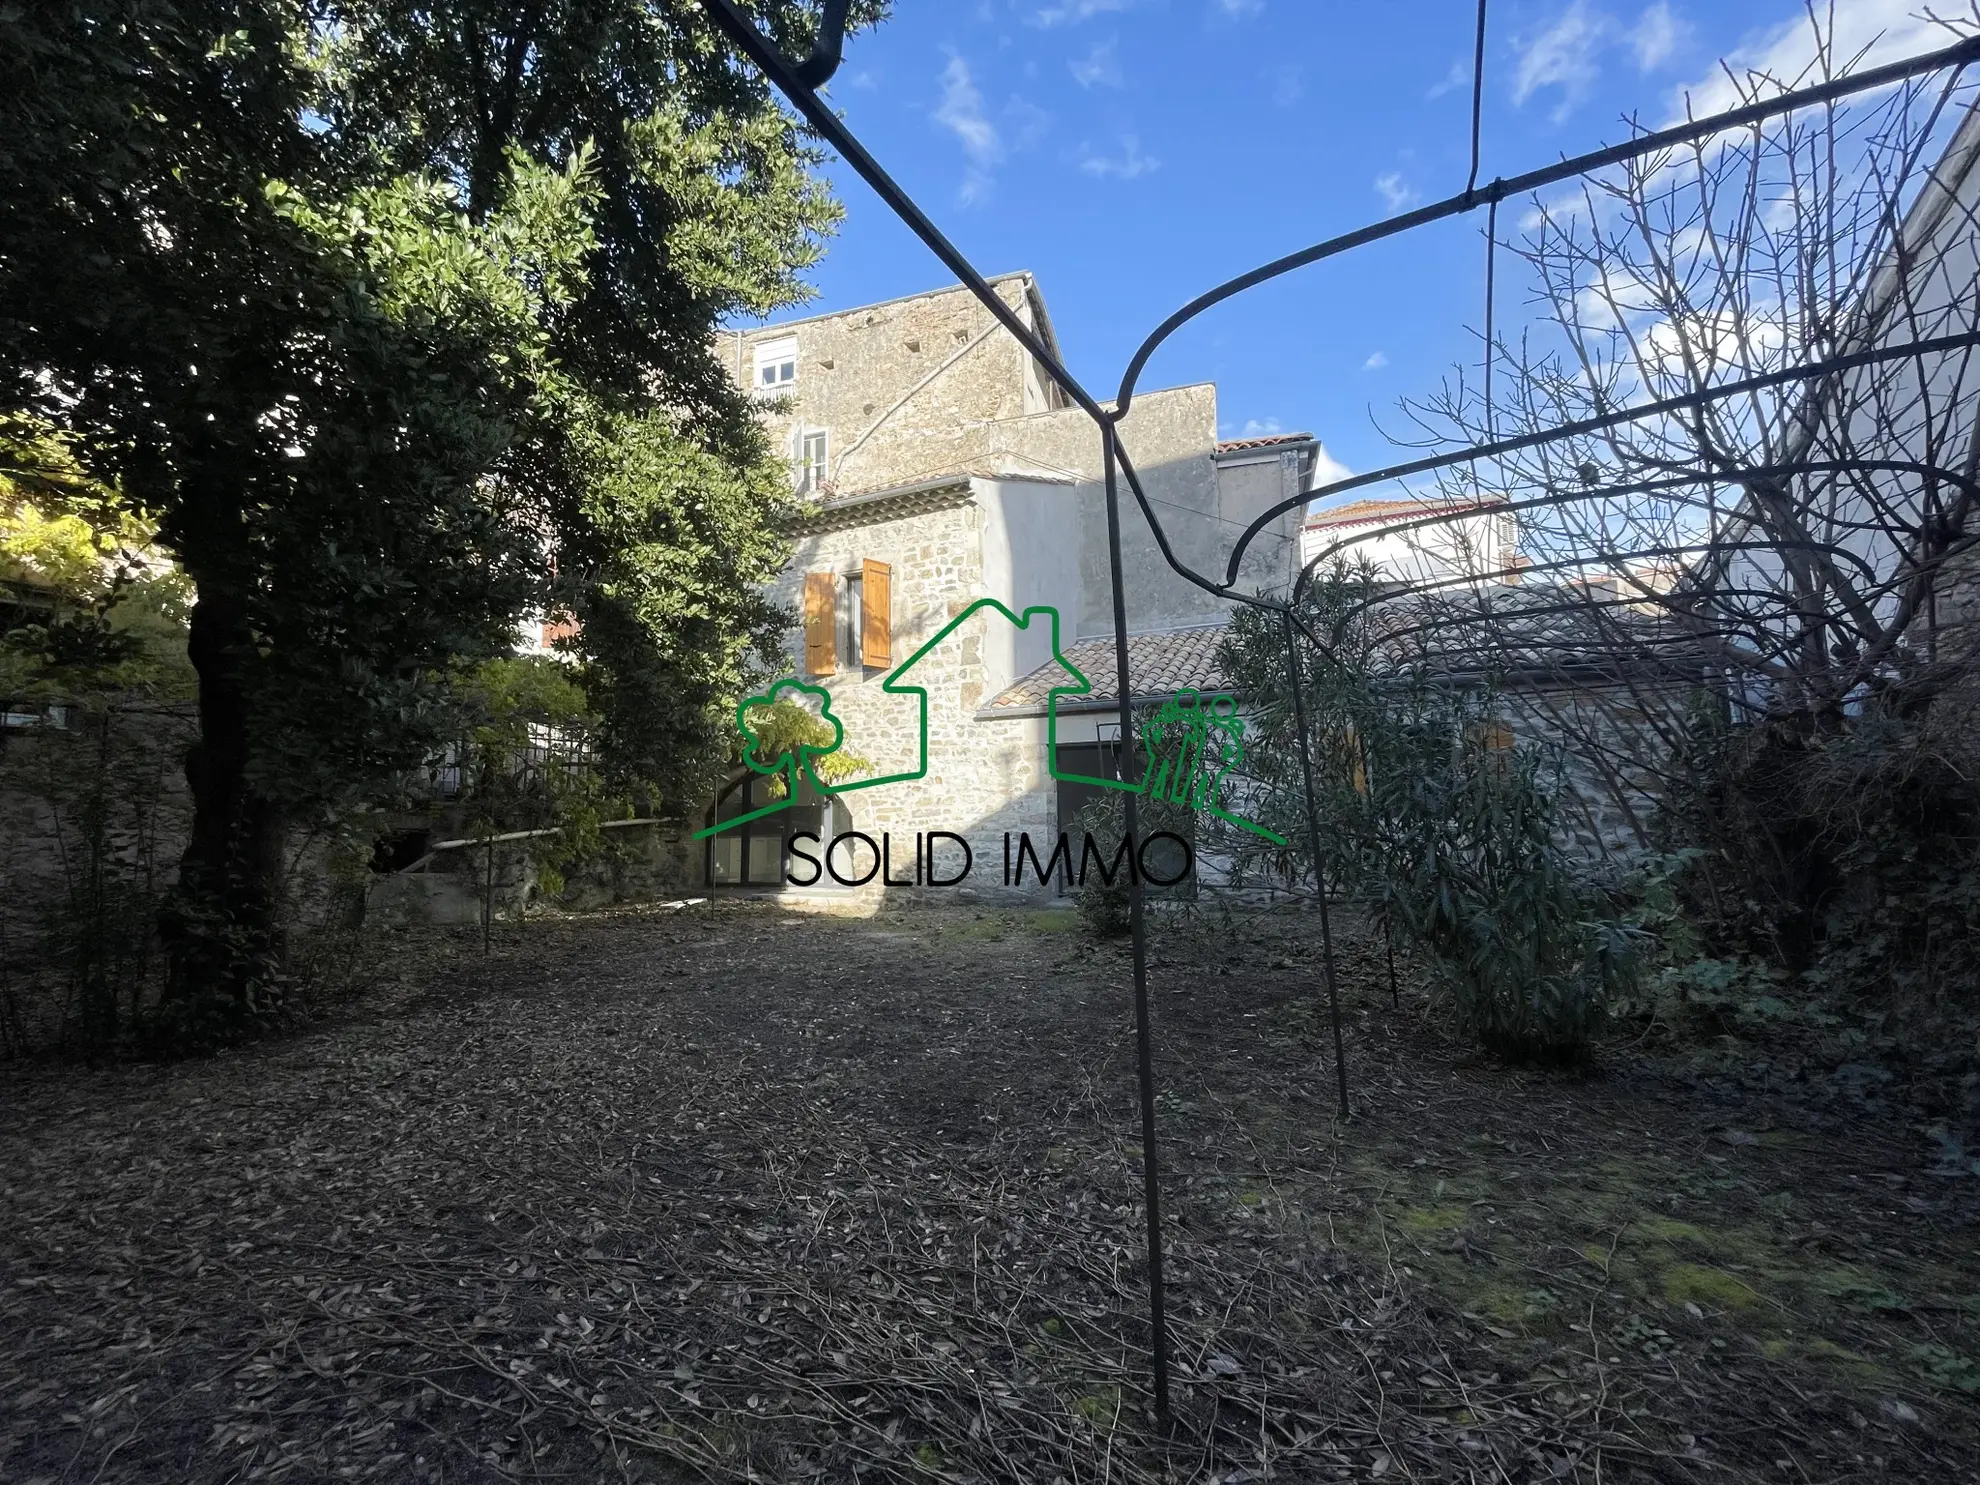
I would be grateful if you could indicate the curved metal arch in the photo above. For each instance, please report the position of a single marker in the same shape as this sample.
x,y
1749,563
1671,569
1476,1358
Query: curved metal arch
x,y
816,70
1958,478
793,82
1471,453
798,84
1189,574
1959,55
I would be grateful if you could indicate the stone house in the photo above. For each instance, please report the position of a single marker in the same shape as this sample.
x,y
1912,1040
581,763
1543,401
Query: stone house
x,y
1414,541
940,466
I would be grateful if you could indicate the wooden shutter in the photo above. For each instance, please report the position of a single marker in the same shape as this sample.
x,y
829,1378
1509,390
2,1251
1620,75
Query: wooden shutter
x,y
821,649
876,621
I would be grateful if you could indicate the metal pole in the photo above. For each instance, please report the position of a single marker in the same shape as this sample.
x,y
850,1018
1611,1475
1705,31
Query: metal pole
x,y
1313,839
1151,1191
1389,939
488,901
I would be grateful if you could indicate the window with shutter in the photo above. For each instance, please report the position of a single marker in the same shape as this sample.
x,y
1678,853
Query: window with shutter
x,y
820,647
850,612
876,639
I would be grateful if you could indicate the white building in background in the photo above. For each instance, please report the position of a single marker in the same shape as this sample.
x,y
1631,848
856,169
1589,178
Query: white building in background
x,y
1905,432
1407,542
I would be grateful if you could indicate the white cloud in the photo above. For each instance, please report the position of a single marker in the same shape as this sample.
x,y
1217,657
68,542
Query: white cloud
x,y
961,113
1564,57
1072,12
1710,344
1240,7
1867,33
1101,67
1131,164
1396,193
1327,469
1375,362
1260,428
1658,32
866,79
1459,76
1288,84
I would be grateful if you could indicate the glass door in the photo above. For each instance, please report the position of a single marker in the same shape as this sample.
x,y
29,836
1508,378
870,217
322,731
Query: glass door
x,y
755,854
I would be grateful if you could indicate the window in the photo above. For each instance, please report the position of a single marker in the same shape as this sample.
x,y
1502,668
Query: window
x,y
776,365
756,854
850,615
812,449
848,619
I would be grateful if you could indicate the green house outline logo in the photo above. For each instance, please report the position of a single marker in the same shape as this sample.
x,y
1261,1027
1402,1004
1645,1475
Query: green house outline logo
x,y
1169,778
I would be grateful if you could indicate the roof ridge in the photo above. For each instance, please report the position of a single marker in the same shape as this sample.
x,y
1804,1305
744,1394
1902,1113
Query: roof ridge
x,y
1357,512
853,309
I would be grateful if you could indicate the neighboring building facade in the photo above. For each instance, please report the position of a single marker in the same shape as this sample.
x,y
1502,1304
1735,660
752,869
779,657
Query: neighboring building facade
x,y
1416,541
941,466
1898,438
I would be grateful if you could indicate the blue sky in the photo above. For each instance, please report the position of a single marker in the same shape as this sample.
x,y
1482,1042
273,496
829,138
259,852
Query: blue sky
x,y
1132,153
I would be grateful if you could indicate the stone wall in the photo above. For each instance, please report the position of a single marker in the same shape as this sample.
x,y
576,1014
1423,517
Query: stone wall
x,y
127,763
641,863
982,778
901,388
1616,741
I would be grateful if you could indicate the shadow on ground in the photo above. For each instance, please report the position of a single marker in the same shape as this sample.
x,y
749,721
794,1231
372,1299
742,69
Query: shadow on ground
x,y
727,1193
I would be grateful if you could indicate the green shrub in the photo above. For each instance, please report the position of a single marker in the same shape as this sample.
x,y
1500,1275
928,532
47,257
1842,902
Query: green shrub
x,y
1527,949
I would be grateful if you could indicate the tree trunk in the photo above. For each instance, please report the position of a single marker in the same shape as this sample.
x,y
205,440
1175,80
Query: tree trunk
x,y
220,922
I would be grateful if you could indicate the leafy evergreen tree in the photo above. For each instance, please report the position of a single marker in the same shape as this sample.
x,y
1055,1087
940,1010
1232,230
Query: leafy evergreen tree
x,y
399,323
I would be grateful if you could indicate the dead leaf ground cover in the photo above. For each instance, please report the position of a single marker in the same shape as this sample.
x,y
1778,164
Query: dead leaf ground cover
x,y
733,1193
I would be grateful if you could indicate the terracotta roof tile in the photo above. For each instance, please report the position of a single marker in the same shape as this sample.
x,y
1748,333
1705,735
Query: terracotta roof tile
x,y
1542,632
1160,664
1238,445
1369,512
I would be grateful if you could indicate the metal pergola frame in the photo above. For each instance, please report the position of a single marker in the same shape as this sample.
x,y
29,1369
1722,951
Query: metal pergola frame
x,y
799,82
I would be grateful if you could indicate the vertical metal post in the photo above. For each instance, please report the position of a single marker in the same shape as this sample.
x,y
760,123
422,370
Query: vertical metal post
x,y
1151,1191
1389,941
1313,839
488,899
1388,928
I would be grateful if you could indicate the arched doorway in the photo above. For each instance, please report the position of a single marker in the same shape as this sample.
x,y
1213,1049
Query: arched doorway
x,y
757,855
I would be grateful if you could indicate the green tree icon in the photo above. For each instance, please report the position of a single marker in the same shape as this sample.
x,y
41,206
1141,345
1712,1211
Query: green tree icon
x,y
787,741
1191,745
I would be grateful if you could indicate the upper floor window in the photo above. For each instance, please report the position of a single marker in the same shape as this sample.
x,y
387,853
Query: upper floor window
x,y
776,365
852,613
812,452
848,619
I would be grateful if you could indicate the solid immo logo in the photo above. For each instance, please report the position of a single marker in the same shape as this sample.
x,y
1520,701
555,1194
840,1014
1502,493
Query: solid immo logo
x,y
1189,749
